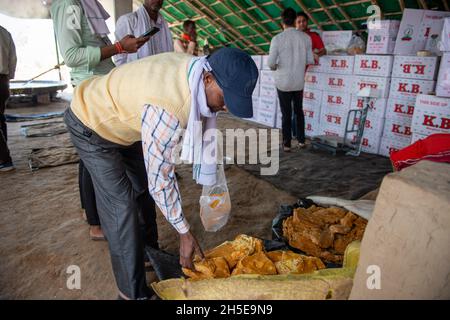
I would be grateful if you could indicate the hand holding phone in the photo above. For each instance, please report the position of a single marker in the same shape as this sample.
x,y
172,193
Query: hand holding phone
x,y
150,32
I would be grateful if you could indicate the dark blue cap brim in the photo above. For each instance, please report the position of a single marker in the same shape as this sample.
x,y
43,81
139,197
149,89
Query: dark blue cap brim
x,y
239,106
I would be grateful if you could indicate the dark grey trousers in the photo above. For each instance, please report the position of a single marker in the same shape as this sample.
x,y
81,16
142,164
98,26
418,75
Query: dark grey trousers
x,y
119,177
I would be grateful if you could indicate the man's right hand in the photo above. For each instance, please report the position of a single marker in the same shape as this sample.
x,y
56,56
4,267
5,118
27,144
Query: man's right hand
x,y
132,44
188,249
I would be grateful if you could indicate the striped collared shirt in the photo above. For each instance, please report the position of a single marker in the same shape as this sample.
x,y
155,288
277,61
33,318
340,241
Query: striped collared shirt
x,y
161,133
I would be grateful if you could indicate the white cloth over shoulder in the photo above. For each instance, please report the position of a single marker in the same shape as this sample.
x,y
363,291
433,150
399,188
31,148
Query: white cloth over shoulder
x,y
199,143
96,16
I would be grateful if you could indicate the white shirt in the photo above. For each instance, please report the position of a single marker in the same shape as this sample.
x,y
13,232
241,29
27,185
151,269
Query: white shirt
x,y
290,53
137,23
8,58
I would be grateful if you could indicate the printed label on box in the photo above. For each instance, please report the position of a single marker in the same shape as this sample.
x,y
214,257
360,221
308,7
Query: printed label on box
x,y
336,102
268,104
369,143
267,91
377,107
445,36
368,65
312,97
266,118
314,80
337,82
379,83
402,88
413,67
380,43
431,115
337,64
312,127
267,77
398,108
373,127
397,128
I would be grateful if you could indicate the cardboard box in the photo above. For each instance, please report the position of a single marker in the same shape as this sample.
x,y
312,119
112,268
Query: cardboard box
x,y
318,67
380,43
258,61
389,27
265,59
255,102
256,90
336,102
443,83
337,64
266,118
373,65
377,107
418,29
369,143
312,113
314,80
402,88
398,129
445,36
379,83
333,131
266,77
268,104
312,127
413,67
267,91
373,126
312,98
416,137
337,82
388,145
431,115
400,108
336,41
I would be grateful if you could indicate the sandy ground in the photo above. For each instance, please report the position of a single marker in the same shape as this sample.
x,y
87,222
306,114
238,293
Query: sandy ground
x,y
42,232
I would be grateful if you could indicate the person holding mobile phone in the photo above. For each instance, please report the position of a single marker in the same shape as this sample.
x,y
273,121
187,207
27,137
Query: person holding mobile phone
x,y
82,35
146,20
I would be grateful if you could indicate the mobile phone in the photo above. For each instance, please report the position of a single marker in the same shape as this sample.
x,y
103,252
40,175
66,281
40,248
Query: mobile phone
x,y
150,32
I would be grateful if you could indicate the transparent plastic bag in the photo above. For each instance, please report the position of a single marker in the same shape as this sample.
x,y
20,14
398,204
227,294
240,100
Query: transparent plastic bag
x,y
215,203
357,45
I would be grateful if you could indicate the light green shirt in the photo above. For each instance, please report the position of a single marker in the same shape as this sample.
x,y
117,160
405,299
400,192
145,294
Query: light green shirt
x,y
79,47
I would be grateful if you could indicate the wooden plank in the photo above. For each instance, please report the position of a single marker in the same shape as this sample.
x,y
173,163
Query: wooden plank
x,y
329,14
346,16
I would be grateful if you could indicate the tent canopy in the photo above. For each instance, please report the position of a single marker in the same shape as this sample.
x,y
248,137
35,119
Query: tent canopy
x,y
250,24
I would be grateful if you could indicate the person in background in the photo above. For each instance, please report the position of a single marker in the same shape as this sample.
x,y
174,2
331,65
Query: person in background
x,y
8,61
137,23
154,98
318,47
82,35
187,43
290,53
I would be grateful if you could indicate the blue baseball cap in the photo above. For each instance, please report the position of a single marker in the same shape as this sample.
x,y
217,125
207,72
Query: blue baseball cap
x,y
236,74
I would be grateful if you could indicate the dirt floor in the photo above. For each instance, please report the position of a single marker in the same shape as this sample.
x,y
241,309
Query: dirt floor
x,y
42,231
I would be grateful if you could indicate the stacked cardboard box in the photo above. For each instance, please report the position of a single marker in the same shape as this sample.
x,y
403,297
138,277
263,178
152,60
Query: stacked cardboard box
x,y
411,76
431,115
382,36
420,30
336,82
265,101
372,71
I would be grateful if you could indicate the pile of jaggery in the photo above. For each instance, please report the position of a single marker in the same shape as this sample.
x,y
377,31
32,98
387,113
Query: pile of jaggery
x,y
246,255
324,233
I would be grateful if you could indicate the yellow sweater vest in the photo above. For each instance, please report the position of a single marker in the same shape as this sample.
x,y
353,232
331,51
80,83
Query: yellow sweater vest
x,y
112,105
